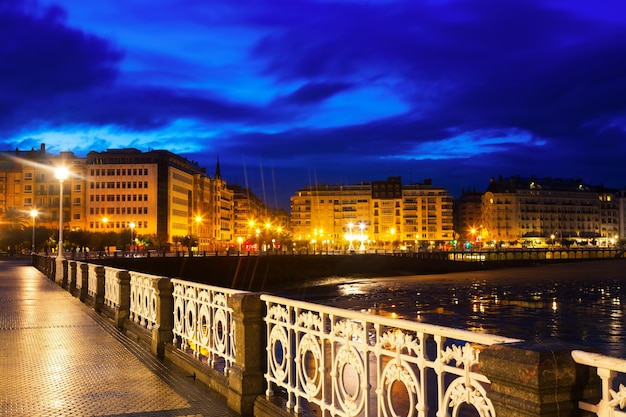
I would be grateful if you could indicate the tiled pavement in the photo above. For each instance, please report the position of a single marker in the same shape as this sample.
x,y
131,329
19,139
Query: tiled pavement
x,y
59,358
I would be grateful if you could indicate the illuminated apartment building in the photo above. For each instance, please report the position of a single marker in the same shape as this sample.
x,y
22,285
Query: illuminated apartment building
x,y
540,210
467,214
428,217
250,214
381,214
28,182
326,215
216,213
157,193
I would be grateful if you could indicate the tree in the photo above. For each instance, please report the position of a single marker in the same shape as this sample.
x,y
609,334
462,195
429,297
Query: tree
x,y
14,231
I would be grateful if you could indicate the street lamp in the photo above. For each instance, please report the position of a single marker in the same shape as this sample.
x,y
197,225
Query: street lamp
x,y
198,220
132,240
33,214
61,173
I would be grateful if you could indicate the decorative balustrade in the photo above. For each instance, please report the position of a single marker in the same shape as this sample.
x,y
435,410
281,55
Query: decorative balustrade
x,y
328,361
143,299
92,280
613,399
343,362
112,287
203,323
79,278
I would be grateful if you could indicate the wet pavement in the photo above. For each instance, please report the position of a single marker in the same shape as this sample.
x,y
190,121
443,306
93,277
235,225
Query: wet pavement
x,y
59,358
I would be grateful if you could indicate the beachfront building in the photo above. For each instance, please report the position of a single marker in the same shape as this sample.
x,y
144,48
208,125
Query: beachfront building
x,y
330,217
378,215
536,212
28,184
154,197
255,224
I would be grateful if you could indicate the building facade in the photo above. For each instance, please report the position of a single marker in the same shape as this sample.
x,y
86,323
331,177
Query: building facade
x,y
28,183
156,194
382,214
542,211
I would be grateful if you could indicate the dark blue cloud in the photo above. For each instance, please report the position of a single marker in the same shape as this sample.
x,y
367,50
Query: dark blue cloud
x,y
341,91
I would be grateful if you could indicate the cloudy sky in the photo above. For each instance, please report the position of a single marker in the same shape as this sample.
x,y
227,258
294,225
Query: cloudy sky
x,y
290,93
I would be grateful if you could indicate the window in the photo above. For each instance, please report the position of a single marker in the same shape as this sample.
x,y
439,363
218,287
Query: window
x,y
28,176
76,216
77,201
28,201
28,189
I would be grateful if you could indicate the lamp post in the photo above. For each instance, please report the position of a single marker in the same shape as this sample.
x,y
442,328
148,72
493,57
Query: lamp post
x,y
33,214
61,173
132,239
362,227
198,221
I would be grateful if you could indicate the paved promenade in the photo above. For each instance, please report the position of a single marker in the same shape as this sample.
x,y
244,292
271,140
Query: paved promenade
x,y
59,358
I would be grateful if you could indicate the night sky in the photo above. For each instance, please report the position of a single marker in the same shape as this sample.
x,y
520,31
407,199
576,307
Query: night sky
x,y
290,93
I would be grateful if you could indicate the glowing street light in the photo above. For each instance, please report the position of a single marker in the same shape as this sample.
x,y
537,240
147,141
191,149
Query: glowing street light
x,y
362,227
132,231
351,237
33,213
198,220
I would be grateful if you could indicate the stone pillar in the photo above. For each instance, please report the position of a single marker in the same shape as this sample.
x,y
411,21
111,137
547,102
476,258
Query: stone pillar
x,y
162,331
536,379
84,281
65,265
245,379
98,300
58,271
51,268
123,311
72,281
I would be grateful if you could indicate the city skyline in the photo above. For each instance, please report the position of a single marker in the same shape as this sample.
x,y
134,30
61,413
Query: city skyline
x,y
296,93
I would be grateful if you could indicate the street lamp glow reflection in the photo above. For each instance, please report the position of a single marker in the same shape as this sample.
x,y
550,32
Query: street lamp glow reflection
x,y
33,213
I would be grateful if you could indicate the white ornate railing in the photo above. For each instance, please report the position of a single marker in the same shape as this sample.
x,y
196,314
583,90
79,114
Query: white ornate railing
x,y
143,300
348,363
92,280
112,287
613,400
203,323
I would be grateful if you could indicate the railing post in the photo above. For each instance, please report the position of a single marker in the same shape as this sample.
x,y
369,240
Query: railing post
x,y
84,281
162,331
536,379
98,299
123,310
60,276
71,286
246,380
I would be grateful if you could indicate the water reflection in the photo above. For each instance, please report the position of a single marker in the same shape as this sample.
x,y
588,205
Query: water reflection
x,y
577,303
